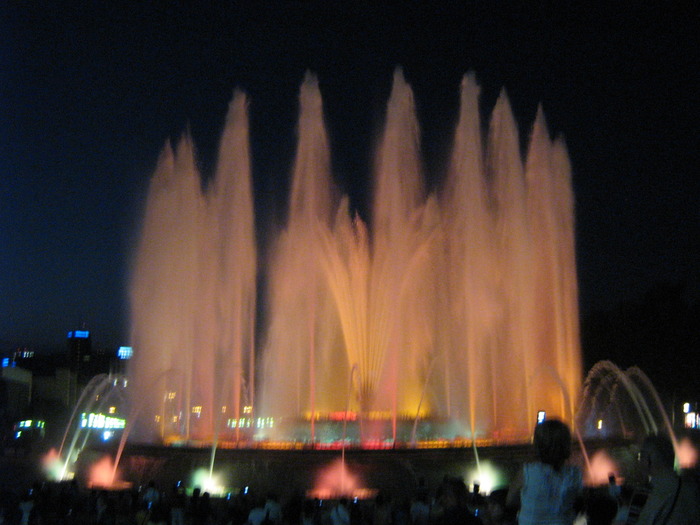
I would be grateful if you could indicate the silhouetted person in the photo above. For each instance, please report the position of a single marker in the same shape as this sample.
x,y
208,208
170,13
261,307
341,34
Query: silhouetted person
x,y
273,509
340,515
193,506
381,513
548,490
10,511
202,515
601,508
420,508
151,495
453,504
237,510
496,511
257,514
178,504
672,500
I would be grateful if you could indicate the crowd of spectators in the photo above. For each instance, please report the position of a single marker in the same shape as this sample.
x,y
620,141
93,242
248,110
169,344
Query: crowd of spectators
x,y
547,491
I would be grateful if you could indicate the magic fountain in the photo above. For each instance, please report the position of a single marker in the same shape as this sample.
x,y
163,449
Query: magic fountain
x,y
449,314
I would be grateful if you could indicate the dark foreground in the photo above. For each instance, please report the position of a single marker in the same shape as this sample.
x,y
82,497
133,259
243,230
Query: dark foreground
x,y
297,478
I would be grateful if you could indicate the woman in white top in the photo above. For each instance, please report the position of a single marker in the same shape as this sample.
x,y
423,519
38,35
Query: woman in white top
x,y
548,491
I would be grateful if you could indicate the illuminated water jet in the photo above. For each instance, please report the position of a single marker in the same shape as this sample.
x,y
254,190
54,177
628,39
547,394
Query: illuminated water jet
x,y
337,480
475,282
620,403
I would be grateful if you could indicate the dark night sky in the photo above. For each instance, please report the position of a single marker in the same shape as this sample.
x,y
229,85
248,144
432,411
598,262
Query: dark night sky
x,y
90,92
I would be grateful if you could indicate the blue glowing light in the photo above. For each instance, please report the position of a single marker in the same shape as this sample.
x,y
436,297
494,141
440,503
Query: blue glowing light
x,y
78,334
125,352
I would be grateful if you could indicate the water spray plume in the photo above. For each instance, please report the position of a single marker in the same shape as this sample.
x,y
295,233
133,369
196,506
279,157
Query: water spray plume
x,y
336,480
52,465
447,302
102,473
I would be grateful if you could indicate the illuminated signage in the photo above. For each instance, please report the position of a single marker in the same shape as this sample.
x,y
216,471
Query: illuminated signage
x,y
29,423
125,352
78,334
102,421
246,422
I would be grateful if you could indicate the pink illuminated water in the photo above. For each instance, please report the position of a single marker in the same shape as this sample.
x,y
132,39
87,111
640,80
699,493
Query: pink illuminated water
x,y
336,480
101,473
456,305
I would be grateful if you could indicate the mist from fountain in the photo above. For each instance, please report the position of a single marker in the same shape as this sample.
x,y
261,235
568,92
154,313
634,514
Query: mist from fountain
x,y
445,303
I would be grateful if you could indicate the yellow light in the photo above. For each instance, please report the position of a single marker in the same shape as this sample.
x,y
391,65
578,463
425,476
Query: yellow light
x,y
197,409
223,409
112,410
247,409
600,424
157,418
171,396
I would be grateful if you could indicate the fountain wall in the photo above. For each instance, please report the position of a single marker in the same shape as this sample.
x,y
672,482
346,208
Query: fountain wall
x,y
457,305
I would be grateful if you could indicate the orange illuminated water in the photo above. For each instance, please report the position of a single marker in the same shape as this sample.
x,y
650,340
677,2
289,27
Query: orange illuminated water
x,y
458,304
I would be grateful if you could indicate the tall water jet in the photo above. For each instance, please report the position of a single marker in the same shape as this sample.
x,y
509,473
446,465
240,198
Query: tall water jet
x,y
301,328
458,305
193,290
378,278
